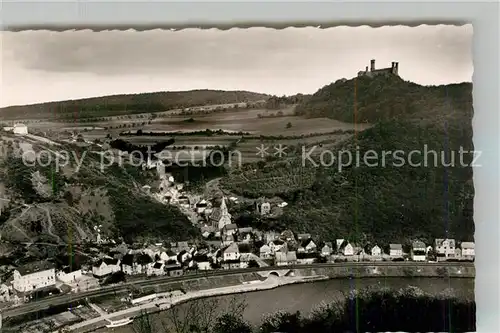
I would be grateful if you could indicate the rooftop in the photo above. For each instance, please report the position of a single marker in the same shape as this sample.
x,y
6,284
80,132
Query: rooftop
x,y
35,267
467,245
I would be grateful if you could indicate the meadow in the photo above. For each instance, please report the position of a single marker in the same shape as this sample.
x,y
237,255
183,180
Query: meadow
x,y
244,129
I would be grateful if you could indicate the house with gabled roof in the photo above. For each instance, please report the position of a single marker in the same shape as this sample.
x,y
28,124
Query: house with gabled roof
x,y
203,262
307,258
231,252
418,251
327,249
33,276
265,252
156,269
444,248
395,250
376,251
468,250
105,266
346,248
168,255
285,258
70,274
229,229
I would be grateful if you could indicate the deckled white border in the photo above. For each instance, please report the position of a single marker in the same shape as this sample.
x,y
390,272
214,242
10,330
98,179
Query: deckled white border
x,y
484,16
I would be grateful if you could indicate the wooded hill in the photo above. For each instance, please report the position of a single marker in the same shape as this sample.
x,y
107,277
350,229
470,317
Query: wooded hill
x,y
392,203
127,104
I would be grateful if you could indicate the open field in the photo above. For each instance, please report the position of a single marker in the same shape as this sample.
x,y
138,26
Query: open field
x,y
249,121
270,128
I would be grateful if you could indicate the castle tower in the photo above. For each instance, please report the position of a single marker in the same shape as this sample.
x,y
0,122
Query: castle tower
x,y
372,65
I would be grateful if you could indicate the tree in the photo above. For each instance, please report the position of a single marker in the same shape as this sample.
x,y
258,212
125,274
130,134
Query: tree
x,y
289,125
230,323
253,264
143,324
281,322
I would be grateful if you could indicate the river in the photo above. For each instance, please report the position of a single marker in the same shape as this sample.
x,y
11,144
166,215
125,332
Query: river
x,y
304,297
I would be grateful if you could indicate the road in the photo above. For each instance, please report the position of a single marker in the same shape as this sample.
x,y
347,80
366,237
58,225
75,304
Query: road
x,y
58,300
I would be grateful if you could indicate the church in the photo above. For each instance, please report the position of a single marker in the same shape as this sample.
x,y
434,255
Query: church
x,y
220,217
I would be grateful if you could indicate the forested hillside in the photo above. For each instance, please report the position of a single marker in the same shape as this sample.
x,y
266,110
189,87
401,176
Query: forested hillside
x,y
127,104
395,202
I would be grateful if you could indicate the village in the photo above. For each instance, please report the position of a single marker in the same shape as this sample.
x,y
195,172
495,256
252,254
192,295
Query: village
x,y
226,247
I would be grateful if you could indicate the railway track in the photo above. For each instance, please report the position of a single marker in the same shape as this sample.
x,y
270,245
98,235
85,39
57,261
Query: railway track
x,y
68,299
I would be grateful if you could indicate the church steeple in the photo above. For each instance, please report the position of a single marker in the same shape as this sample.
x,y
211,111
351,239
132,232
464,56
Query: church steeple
x,y
225,217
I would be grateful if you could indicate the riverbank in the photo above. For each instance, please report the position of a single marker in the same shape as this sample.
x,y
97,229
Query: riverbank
x,y
119,298
165,301
275,279
306,298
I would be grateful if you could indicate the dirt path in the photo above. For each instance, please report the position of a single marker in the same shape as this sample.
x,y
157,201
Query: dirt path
x,y
21,231
50,226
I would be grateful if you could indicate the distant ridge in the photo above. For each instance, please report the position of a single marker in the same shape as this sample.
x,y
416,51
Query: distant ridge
x,y
124,104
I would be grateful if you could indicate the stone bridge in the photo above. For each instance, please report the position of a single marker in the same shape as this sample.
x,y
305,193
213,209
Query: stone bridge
x,y
276,272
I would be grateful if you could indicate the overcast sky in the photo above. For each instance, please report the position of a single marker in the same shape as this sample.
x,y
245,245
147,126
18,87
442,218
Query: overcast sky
x,y
40,66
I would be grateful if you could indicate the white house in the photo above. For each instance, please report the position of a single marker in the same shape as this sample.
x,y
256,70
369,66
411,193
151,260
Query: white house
x,y
326,250
444,248
232,252
156,269
286,258
418,251
310,247
106,266
229,229
376,251
265,252
468,250
33,276
168,255
204,265
69,275
264,208
20,129
395,250
4,294
348,250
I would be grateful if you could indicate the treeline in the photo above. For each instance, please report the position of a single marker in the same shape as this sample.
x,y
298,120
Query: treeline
x,y
128,104
207,132
128,147
383,310
275,102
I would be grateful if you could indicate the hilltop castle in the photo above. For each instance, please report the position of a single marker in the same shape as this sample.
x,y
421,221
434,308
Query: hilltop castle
x,y
373,72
